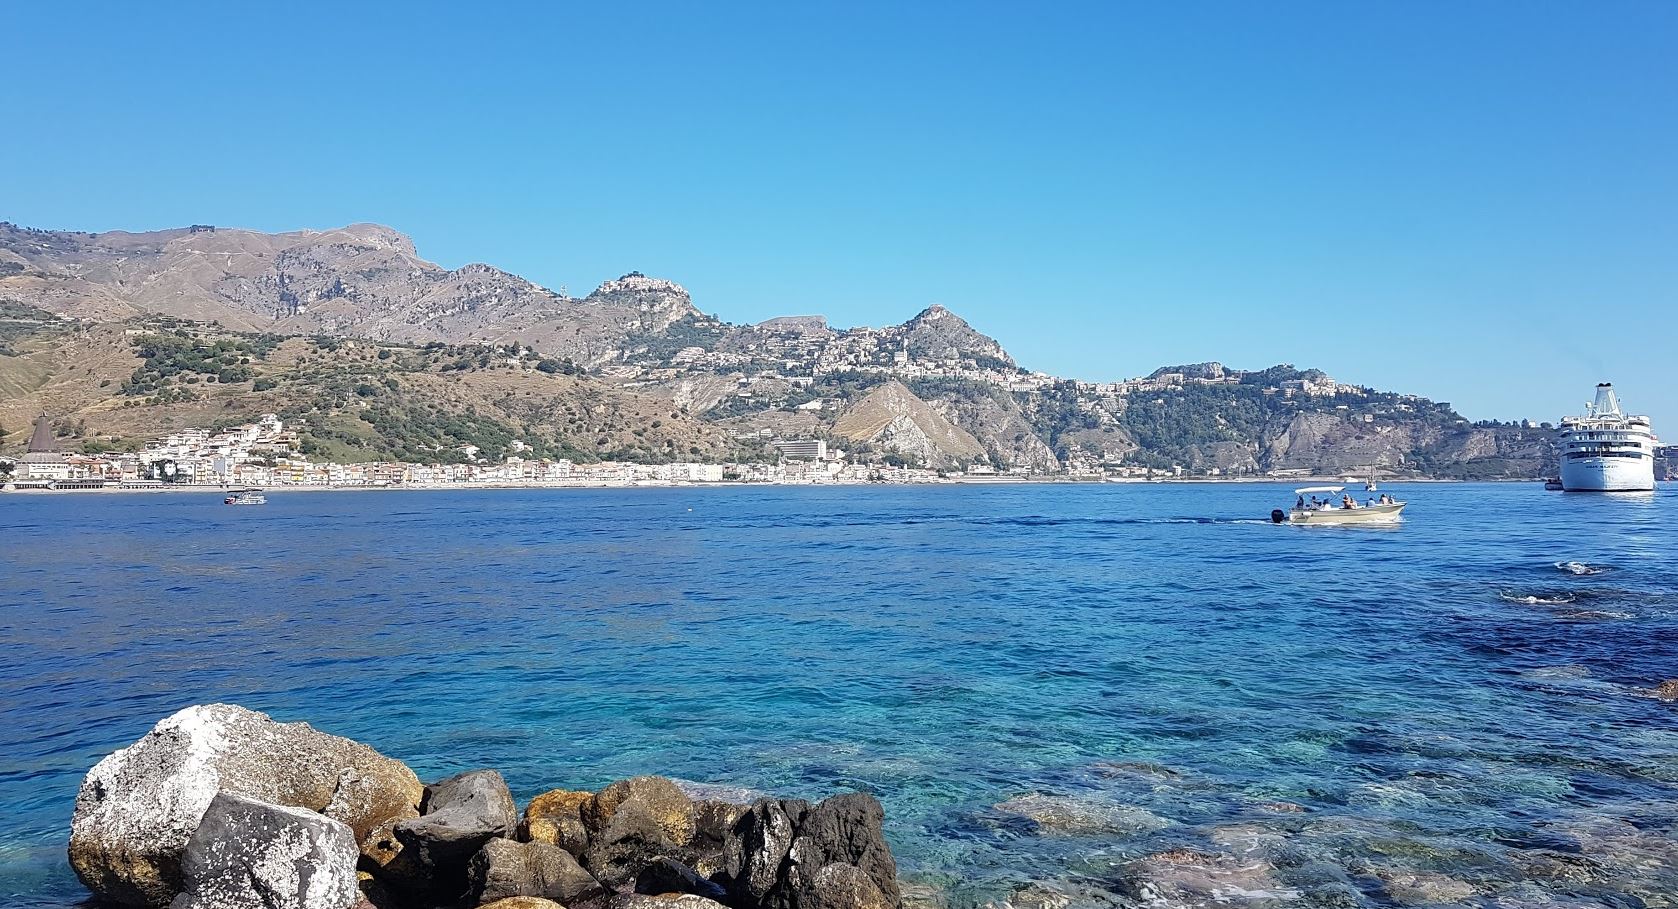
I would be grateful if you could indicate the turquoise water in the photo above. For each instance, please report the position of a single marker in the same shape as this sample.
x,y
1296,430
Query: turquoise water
x,y
1044,684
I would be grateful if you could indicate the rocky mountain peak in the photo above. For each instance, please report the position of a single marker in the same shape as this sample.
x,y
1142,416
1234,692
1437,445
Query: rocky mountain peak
x,y
796,325
379,236
1208,370
937,333
636,283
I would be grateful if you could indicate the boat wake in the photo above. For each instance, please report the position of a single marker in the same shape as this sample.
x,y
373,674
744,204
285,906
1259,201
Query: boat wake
x,y
1580,568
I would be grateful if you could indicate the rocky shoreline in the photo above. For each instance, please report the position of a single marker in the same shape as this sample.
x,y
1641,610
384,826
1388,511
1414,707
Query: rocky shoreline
x,y
220,807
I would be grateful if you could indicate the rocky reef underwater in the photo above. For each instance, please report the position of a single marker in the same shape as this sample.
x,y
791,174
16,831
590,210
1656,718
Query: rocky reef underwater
x,y
220,807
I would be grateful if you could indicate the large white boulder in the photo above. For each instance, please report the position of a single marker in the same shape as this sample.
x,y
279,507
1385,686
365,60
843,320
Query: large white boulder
x,y
138,807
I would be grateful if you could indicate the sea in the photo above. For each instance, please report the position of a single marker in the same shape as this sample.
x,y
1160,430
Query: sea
x,y
1064,695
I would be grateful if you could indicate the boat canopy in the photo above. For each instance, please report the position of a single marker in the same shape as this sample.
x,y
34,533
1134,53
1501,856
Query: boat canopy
x,y
1311,489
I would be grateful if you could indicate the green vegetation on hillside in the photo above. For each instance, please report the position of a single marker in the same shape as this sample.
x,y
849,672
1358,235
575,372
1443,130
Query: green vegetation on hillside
x,y
181,357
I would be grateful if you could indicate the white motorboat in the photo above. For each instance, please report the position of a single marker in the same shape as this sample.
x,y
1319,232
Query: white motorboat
x,y
246,497
1324,508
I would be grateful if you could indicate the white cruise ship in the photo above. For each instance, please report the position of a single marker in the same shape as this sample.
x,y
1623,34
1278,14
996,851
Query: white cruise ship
x,y
1605,450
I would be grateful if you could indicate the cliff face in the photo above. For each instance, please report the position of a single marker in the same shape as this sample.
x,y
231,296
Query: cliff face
x,y
891,418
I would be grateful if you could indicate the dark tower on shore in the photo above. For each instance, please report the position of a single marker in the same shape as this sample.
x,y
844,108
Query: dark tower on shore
x,y
42,441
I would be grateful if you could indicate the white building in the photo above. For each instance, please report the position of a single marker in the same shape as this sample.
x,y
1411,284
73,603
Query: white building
x,y
803,449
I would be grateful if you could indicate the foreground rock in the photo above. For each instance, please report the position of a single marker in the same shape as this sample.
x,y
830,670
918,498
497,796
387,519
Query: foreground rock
x,y
786,855
248,854
459,817
634,823
555,817
504,868
138,808
222,808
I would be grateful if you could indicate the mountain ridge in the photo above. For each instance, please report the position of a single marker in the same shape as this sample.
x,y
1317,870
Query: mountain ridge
x,y
782,377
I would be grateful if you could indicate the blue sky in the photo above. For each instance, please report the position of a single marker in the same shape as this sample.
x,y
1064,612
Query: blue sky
x,y
1476,202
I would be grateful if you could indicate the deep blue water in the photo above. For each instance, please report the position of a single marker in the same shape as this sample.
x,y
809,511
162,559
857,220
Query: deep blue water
x,y
1154,662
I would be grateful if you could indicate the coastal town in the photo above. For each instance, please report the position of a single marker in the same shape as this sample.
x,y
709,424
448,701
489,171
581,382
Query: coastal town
x,y
265,454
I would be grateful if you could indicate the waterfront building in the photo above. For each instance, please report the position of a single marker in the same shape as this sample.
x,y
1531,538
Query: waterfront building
x,y
803,449
42,460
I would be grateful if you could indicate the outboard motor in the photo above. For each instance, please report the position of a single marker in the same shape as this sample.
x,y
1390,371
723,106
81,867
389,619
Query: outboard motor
x,y
1277,516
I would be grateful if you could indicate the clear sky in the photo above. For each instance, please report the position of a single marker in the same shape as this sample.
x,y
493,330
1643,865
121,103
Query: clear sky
x,y
1473,201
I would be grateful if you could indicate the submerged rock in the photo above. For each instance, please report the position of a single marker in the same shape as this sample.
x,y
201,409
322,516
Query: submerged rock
x,y
248,854
138,808
1424,888
1192,879
1666,691
1081,817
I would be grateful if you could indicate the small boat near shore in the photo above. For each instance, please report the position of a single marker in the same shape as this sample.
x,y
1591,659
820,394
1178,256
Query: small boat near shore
x,y
1326,510
246,497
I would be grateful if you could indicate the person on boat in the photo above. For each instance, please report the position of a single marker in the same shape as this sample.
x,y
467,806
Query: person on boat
x,y
1301,503
1346,501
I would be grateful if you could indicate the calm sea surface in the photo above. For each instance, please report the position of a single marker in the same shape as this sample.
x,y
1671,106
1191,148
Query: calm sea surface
x,y
1043,684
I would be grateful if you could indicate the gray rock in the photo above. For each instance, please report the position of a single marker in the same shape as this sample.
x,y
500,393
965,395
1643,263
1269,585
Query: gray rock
x,y
666,875
713,819
248,854
504,868
139,806
845,830
756,850
840,886
459,816
787,855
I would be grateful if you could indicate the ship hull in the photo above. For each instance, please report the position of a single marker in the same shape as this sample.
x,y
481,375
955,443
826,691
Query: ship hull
x,y
1622,474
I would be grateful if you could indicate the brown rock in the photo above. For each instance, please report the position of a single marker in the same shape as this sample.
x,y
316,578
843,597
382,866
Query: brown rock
x,y
633,823
381,846
663,801
522,902
556,818
1666,691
